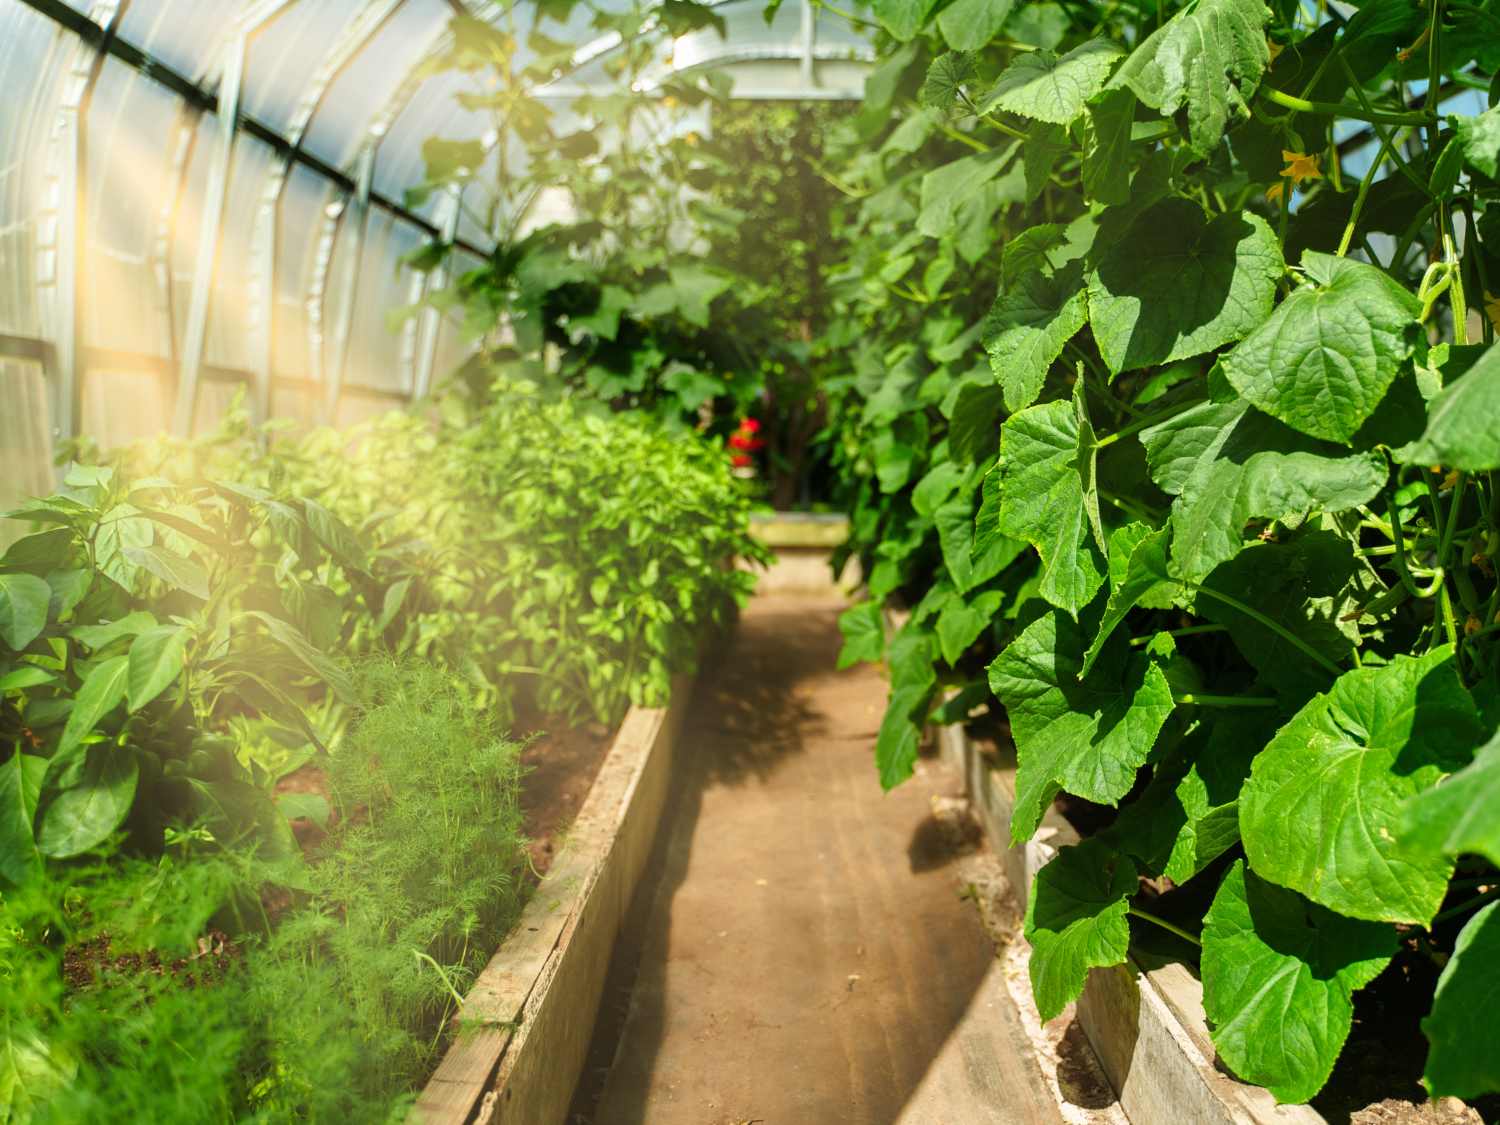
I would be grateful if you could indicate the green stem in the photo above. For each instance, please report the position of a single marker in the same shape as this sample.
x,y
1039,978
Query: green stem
x,y
1359,202
1186,631
1164,924
1461,908
1280,630
1147,422
1342,109
963,138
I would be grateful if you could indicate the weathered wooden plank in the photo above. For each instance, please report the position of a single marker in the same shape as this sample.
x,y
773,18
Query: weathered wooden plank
x,y
799,529
529,1016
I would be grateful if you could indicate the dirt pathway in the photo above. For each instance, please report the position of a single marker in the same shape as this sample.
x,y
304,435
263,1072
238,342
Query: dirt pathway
x,y
799,953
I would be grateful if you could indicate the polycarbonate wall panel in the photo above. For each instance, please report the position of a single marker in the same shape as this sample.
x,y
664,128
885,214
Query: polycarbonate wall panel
x,y
452,347
187,35
304,205
150,152
30,53
229,316
25,439
433,112
292,47
128,193
124,404
363,89
375,344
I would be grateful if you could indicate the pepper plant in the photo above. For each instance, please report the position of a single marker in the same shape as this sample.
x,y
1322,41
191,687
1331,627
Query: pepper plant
x,y
1173,413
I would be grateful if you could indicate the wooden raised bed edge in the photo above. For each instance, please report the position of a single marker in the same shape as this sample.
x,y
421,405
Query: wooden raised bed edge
x,y
803,543
529,1017
1146,1024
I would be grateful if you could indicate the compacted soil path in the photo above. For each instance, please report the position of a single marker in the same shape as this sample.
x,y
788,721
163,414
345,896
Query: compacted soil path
x,y
800,952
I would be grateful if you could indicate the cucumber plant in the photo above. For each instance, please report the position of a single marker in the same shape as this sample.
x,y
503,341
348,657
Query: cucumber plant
x,y
1173,414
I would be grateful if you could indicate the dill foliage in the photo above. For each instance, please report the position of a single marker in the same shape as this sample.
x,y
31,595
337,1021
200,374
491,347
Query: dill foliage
x,y
125,999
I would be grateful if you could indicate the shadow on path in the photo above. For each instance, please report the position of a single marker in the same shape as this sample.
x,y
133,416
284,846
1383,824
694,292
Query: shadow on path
x,y
798,951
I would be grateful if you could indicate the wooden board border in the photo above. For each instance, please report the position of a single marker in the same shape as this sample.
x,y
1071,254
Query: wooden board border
x,y
1146,1025
529,1017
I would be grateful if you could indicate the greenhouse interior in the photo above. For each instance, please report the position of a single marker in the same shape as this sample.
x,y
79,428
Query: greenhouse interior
x,y
750,562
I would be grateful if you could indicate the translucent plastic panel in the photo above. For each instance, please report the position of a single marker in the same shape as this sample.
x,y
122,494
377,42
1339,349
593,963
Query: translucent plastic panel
x,y
227,342
355,407
215,397
434,111
360,94
129,189
229,319
122,405
187,35
25,448
32,56
291,402
746,35
375,344
284,56
452,348
304,202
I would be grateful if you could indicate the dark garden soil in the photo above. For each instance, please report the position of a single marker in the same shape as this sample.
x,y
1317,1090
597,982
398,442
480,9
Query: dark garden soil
x,y
561,765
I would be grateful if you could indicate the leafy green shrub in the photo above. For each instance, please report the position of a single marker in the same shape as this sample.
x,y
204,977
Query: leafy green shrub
x,y
1177,435
124,999
552,552
145,638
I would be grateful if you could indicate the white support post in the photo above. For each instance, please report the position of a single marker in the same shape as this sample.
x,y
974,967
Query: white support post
x,y
190,365
343,324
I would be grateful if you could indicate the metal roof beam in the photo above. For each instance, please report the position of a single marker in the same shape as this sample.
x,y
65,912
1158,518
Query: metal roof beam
x,y
196,95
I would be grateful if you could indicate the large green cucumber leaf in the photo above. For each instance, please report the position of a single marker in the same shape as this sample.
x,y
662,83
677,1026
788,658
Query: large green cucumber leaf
x,y
1179,284
1330,351
1208,57
1463,421
947,188
1229,464
1076,921
972,559
902,18
1279,975
864,634
968,25
1295,584
1106,155
960,622
1138,573
1189,815
1046,456
1322,810
1463,813
1046,87
1027,329
1479,137
913,684
1085,734
1462,1027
